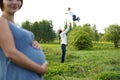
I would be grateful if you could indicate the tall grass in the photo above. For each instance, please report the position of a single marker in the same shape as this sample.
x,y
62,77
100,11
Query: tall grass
x,y
100,63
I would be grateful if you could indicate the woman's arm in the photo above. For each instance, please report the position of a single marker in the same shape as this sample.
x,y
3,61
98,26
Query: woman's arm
x,y
8,46
67,29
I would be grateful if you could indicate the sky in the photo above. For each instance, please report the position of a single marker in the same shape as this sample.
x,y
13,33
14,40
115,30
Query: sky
x,y
102,13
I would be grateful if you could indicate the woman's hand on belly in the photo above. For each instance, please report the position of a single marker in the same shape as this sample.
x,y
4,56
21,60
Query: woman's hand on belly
x,y
36,45
43,68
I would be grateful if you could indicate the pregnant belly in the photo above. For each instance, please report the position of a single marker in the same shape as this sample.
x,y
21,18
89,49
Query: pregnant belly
x,y
34,54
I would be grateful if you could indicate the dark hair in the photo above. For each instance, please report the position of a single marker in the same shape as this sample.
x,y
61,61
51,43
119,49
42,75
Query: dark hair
x,y
1,4
69,8
59,31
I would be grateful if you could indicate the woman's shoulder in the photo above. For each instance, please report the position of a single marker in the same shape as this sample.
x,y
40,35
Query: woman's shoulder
x,y
2,19
4,26
3,22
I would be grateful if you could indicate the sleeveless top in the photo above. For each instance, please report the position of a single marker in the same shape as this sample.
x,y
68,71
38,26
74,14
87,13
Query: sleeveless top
x,y
23,42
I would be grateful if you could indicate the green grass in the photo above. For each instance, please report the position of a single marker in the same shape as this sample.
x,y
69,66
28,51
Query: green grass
x,y
95,64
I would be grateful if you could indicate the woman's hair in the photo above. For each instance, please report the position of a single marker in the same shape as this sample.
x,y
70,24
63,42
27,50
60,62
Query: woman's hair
x,y
1,4
59,31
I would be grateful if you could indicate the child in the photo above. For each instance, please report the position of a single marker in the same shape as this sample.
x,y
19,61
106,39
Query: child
x,y
74,17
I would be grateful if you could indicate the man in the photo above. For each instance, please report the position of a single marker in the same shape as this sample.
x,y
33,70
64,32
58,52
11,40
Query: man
x,y
64,41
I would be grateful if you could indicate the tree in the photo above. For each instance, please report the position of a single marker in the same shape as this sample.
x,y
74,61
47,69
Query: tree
x,y
36,30
96,35
27,25
47,34
42,30
112,33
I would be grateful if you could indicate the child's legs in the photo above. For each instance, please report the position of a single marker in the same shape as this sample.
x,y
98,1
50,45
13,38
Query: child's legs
x,y
78,18
74,17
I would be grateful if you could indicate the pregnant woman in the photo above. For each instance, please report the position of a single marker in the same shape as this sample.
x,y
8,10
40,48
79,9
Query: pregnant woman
x,y
20,56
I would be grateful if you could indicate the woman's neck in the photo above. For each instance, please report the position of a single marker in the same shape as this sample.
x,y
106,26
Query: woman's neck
x,y
8,17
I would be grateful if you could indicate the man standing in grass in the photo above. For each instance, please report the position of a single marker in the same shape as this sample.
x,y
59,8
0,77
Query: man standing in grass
x,y
64,41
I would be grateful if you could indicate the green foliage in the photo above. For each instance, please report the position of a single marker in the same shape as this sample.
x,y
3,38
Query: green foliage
x,y
64,70
43,30
46,34
96,35
112,33
80,39
27,25
102,45
109,76
87,28
82,65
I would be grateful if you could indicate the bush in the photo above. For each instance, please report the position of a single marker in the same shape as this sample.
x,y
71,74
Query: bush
x,y
80,39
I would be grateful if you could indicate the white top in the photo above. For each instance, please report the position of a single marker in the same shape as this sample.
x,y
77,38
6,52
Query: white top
x,y
63,36
70,12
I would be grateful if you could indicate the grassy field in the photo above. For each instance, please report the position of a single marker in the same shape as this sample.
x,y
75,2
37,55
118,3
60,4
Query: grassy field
x,y
100,63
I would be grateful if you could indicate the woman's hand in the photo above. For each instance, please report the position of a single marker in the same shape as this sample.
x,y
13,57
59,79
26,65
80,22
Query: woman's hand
x,y
36,45
43,68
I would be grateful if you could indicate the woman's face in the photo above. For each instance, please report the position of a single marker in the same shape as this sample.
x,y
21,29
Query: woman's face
x,y
11,6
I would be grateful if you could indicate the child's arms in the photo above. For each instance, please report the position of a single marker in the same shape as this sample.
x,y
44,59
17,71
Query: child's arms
x,y
67,12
